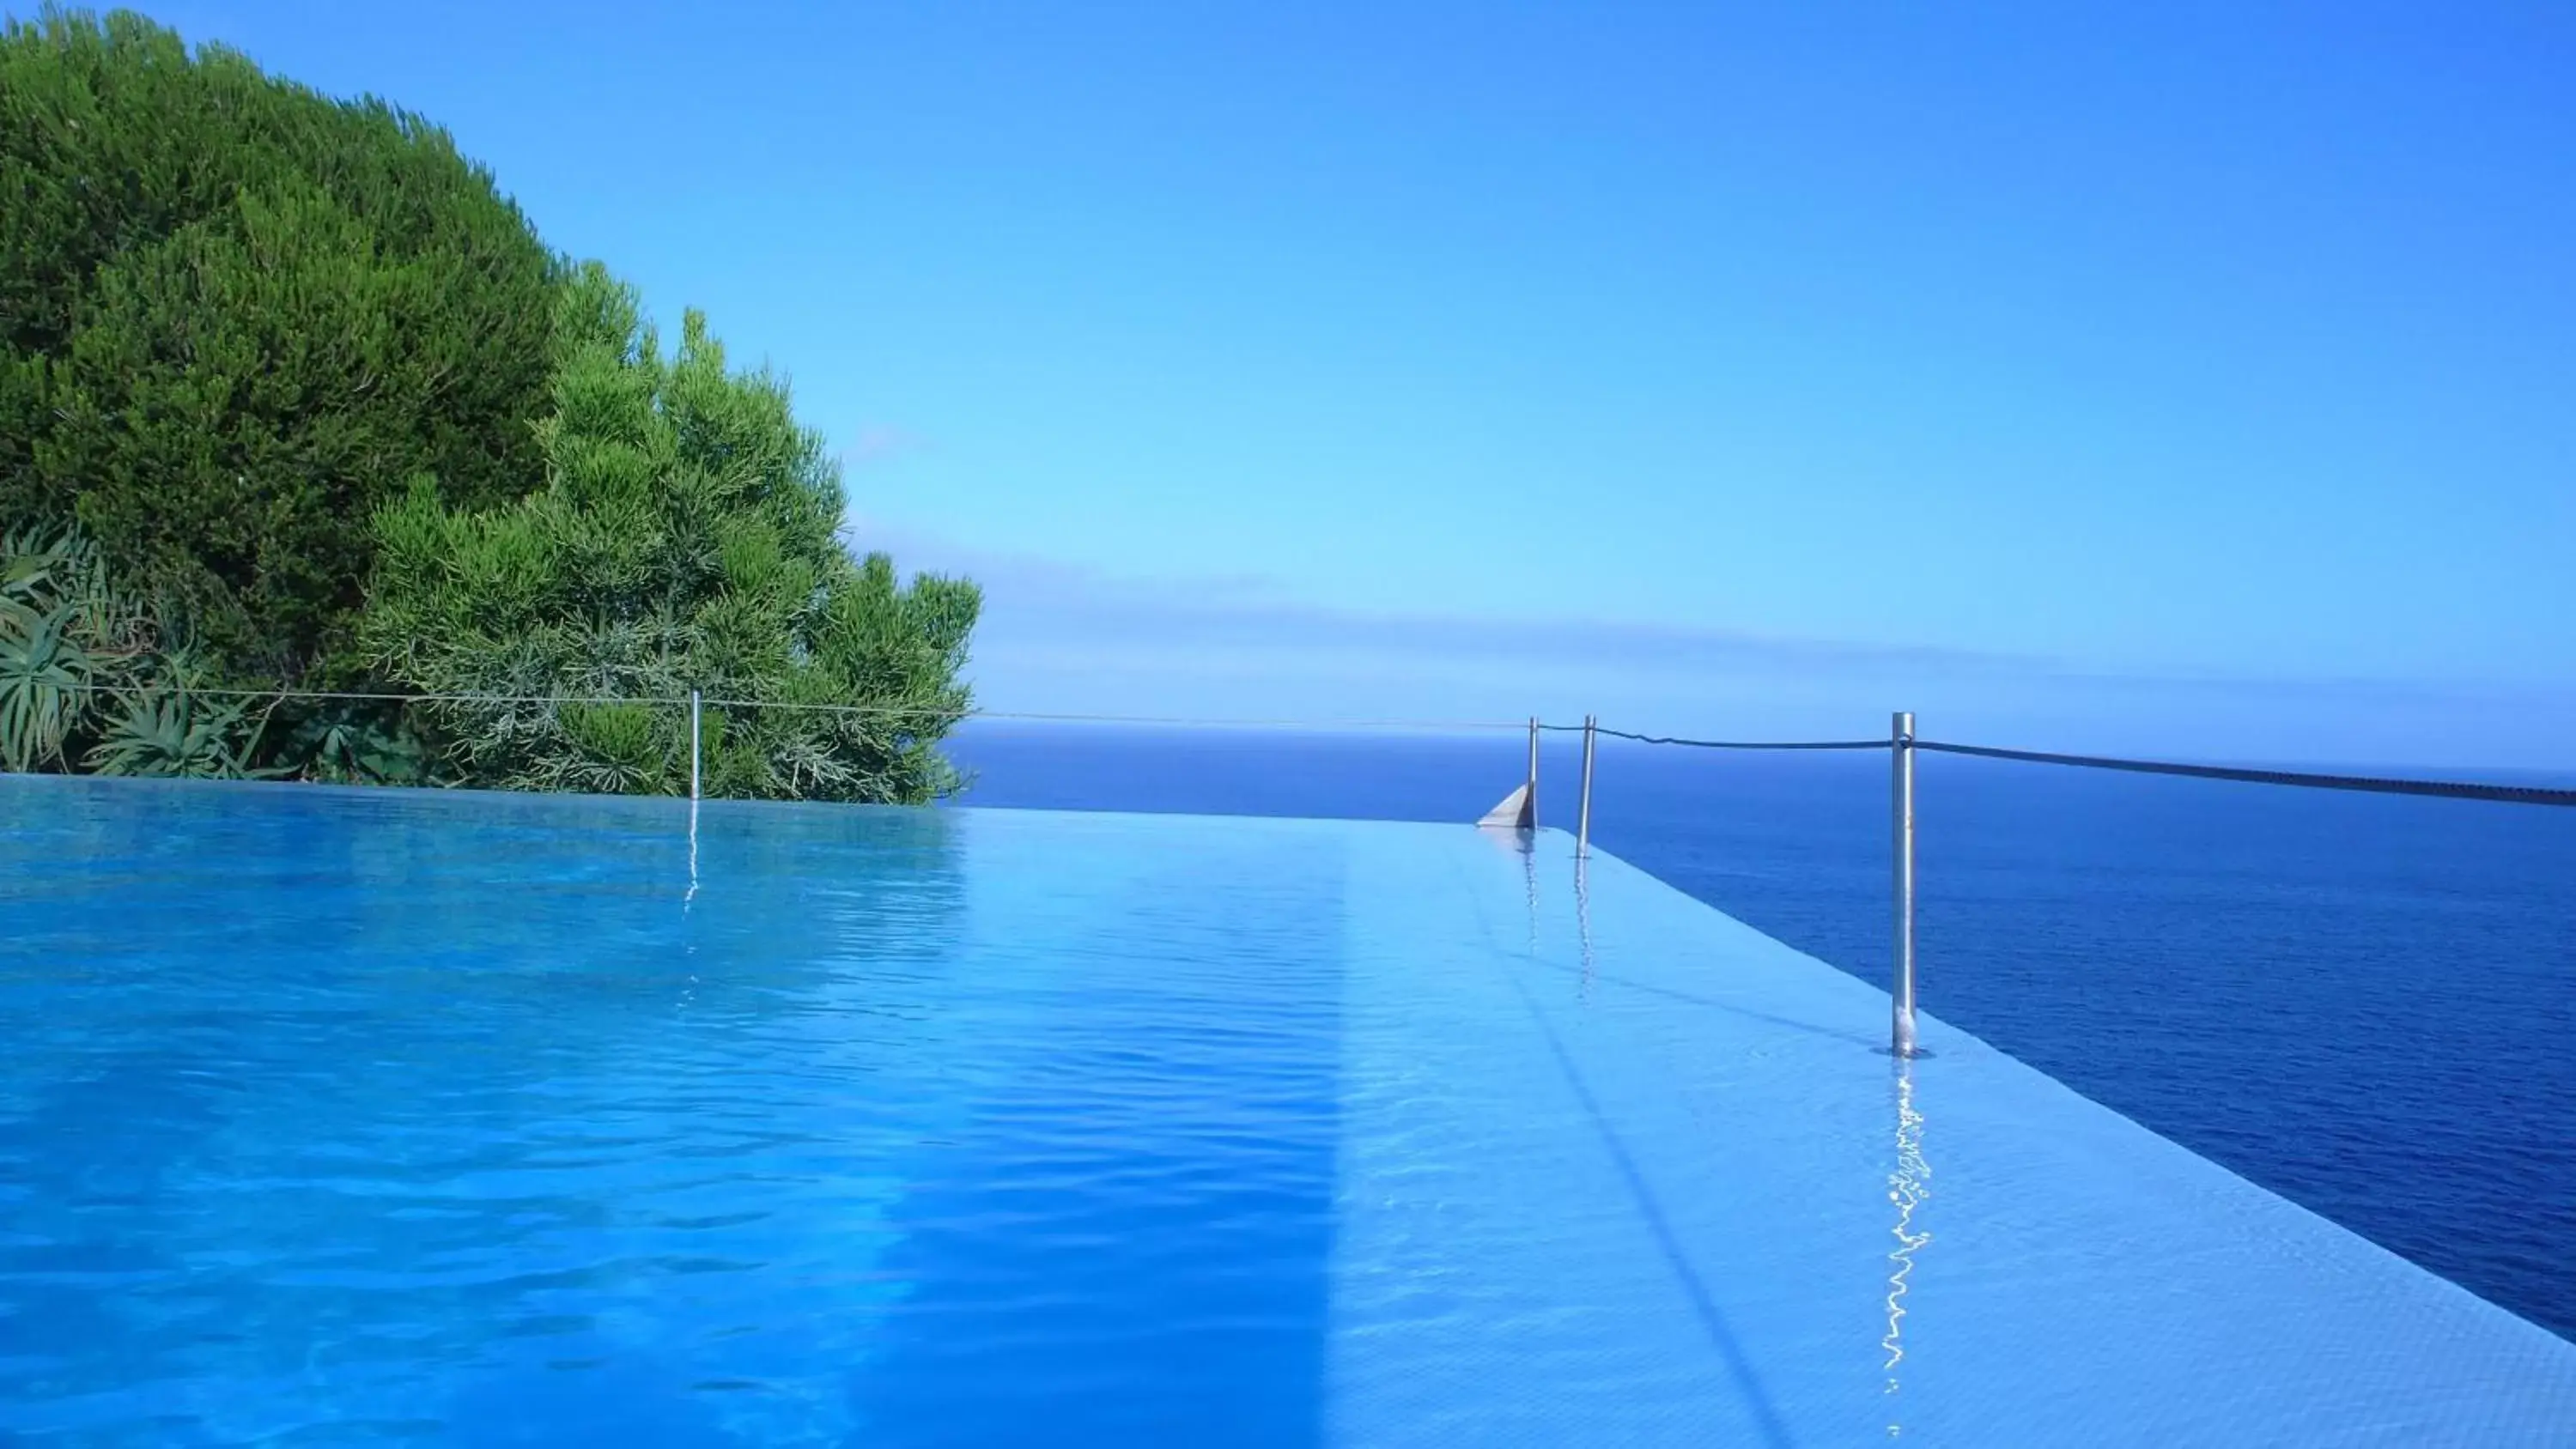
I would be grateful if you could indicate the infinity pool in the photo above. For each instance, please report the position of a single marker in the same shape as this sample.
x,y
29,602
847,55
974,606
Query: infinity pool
x,y
389,1117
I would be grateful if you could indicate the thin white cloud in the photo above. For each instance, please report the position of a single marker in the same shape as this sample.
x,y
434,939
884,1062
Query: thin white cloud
x,y
1058,636
877,442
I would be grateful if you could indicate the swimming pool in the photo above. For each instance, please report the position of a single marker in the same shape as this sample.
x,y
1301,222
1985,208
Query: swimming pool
x,y
406,1117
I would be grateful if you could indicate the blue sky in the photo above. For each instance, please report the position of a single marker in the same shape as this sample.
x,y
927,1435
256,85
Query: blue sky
x,y
2199,378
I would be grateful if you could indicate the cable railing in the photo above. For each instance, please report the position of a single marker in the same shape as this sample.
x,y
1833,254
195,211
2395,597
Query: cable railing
x,y
1517,811
2381,785
1520,808
881,711
1607,732
1590,729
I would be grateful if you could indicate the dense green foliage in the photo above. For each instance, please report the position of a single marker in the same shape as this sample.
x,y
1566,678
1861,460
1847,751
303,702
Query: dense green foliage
x,y
90,677
237,318
687,537
292,398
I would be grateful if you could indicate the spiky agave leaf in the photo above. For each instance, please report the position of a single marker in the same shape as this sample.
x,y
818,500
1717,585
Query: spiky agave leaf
x,y
45,685
170,731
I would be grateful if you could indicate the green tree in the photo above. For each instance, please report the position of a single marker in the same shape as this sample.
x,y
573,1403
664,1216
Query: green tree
x,y
687,537
237,318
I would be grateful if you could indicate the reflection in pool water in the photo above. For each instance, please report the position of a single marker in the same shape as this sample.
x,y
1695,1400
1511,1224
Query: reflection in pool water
x,y
1907,1187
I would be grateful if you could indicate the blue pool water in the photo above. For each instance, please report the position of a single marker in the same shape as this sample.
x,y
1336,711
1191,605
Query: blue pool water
x,y
390,1117
2364,1003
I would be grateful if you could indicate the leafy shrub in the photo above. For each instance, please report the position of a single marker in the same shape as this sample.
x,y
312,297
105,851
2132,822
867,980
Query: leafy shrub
x,y
686,537
339,742
237,317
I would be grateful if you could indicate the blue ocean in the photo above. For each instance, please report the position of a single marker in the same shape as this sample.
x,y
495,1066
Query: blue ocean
x,y
2364,1003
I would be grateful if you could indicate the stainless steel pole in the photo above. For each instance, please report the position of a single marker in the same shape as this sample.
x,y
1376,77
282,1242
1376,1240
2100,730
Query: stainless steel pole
x,y
693,744
1533,773
1583,816
1901,994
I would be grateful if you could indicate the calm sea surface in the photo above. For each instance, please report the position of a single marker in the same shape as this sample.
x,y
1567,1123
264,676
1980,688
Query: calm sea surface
x,y
2364,1003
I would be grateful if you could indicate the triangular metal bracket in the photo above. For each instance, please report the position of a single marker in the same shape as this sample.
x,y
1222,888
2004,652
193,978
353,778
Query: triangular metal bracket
x,y
1517,811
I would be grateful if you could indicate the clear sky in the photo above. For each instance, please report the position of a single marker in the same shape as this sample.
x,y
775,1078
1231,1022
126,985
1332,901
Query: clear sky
x,y
2187,376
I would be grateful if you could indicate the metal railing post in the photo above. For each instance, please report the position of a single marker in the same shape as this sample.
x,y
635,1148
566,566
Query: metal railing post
x,y
1533,774
693,744
1901,991
1583,814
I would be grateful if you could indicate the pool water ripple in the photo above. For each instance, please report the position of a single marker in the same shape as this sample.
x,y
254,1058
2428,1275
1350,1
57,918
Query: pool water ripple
x,y
413,1118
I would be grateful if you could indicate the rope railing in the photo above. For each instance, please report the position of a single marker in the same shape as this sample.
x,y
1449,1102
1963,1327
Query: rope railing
x,y
2389,785
2383,785
1519,810
881,711
1730,744
2376,784
1903,744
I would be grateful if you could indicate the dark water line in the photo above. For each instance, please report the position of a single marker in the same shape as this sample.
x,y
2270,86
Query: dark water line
x,y
1712,1319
